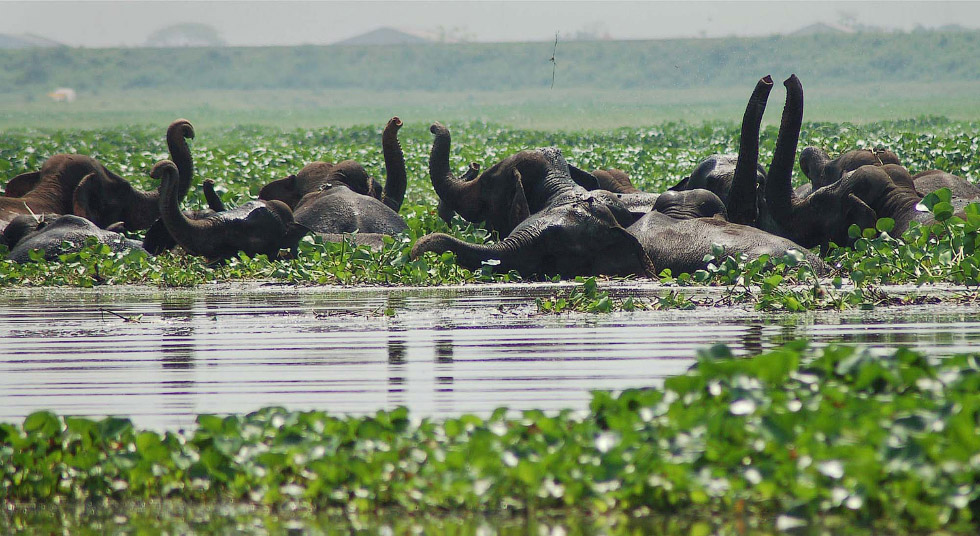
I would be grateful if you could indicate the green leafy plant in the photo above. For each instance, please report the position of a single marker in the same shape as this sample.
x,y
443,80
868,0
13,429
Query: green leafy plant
x,y
863,438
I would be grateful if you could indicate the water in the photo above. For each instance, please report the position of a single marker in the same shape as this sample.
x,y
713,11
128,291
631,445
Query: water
x,y
162,357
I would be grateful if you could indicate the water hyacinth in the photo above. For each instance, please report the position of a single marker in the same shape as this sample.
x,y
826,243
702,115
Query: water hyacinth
x,y
870,444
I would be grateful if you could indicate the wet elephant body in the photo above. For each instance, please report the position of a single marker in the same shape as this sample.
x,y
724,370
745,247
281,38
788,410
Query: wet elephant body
x,y
337,209
341,198
551,225
67,234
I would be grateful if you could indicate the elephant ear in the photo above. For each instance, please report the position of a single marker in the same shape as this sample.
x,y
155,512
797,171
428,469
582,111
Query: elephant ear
x,y
683,185
858,212
20,185
280,190
509,207
584,178
87,198
519,210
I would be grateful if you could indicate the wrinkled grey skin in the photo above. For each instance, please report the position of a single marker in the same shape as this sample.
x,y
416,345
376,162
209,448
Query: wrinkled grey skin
x,y
553,225
257,227
684,227
337,209
821,170
341,198
66,234
927,182
859,197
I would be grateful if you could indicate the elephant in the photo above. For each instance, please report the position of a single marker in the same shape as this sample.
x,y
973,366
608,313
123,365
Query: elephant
x,y
739,180
685,226
501,199
821,170
342,197
931,180
551,224
859,197
80,185
64,234
817,165
345,200
158,238
257,227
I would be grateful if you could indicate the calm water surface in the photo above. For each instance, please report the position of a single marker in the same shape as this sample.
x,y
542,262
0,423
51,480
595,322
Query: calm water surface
x,y
230,349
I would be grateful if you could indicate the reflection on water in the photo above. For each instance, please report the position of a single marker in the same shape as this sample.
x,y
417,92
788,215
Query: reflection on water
x,y
163,357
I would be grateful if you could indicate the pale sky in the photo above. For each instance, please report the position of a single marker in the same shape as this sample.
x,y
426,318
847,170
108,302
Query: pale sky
x,y
128,23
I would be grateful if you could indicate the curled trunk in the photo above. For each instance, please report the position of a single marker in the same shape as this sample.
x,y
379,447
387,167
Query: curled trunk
x,y
780,197
190,234
463,197
446,212
394,190
742,205
180,153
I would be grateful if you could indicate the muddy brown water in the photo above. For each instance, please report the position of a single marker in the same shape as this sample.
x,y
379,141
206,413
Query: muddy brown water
x,y
162,357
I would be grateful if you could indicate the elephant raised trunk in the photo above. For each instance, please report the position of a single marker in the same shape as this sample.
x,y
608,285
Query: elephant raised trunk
x,y
742,202
780,197
461,196
394,189
190,234
177,134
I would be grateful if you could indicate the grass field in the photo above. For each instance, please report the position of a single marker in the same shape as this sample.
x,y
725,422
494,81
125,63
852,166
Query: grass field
x,y
540,109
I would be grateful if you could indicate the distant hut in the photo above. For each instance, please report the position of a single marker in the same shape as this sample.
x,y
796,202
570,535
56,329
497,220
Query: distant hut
x,y
63,94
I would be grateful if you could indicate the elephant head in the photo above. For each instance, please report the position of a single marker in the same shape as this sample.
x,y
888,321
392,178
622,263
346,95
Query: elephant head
x,y
553,225
105,198
317,175
64,234
689,204
827,213
255,228
496,196
158,238
817,165
579,238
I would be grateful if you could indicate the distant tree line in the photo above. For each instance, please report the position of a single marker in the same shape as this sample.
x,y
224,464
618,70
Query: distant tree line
x,y
821,60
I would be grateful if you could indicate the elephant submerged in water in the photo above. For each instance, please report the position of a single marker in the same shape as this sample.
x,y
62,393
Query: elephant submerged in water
x,y
341,198
859,197
56,235
80,185
257,227
685,227
821,170
550,224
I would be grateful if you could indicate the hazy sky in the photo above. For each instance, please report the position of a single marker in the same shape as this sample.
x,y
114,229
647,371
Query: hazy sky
x,y
100,24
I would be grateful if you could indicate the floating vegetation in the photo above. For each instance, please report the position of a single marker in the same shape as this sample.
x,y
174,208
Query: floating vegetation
x,y
240,160
869,438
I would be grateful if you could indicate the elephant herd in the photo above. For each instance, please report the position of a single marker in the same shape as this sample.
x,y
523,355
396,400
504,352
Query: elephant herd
x,y
552,217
